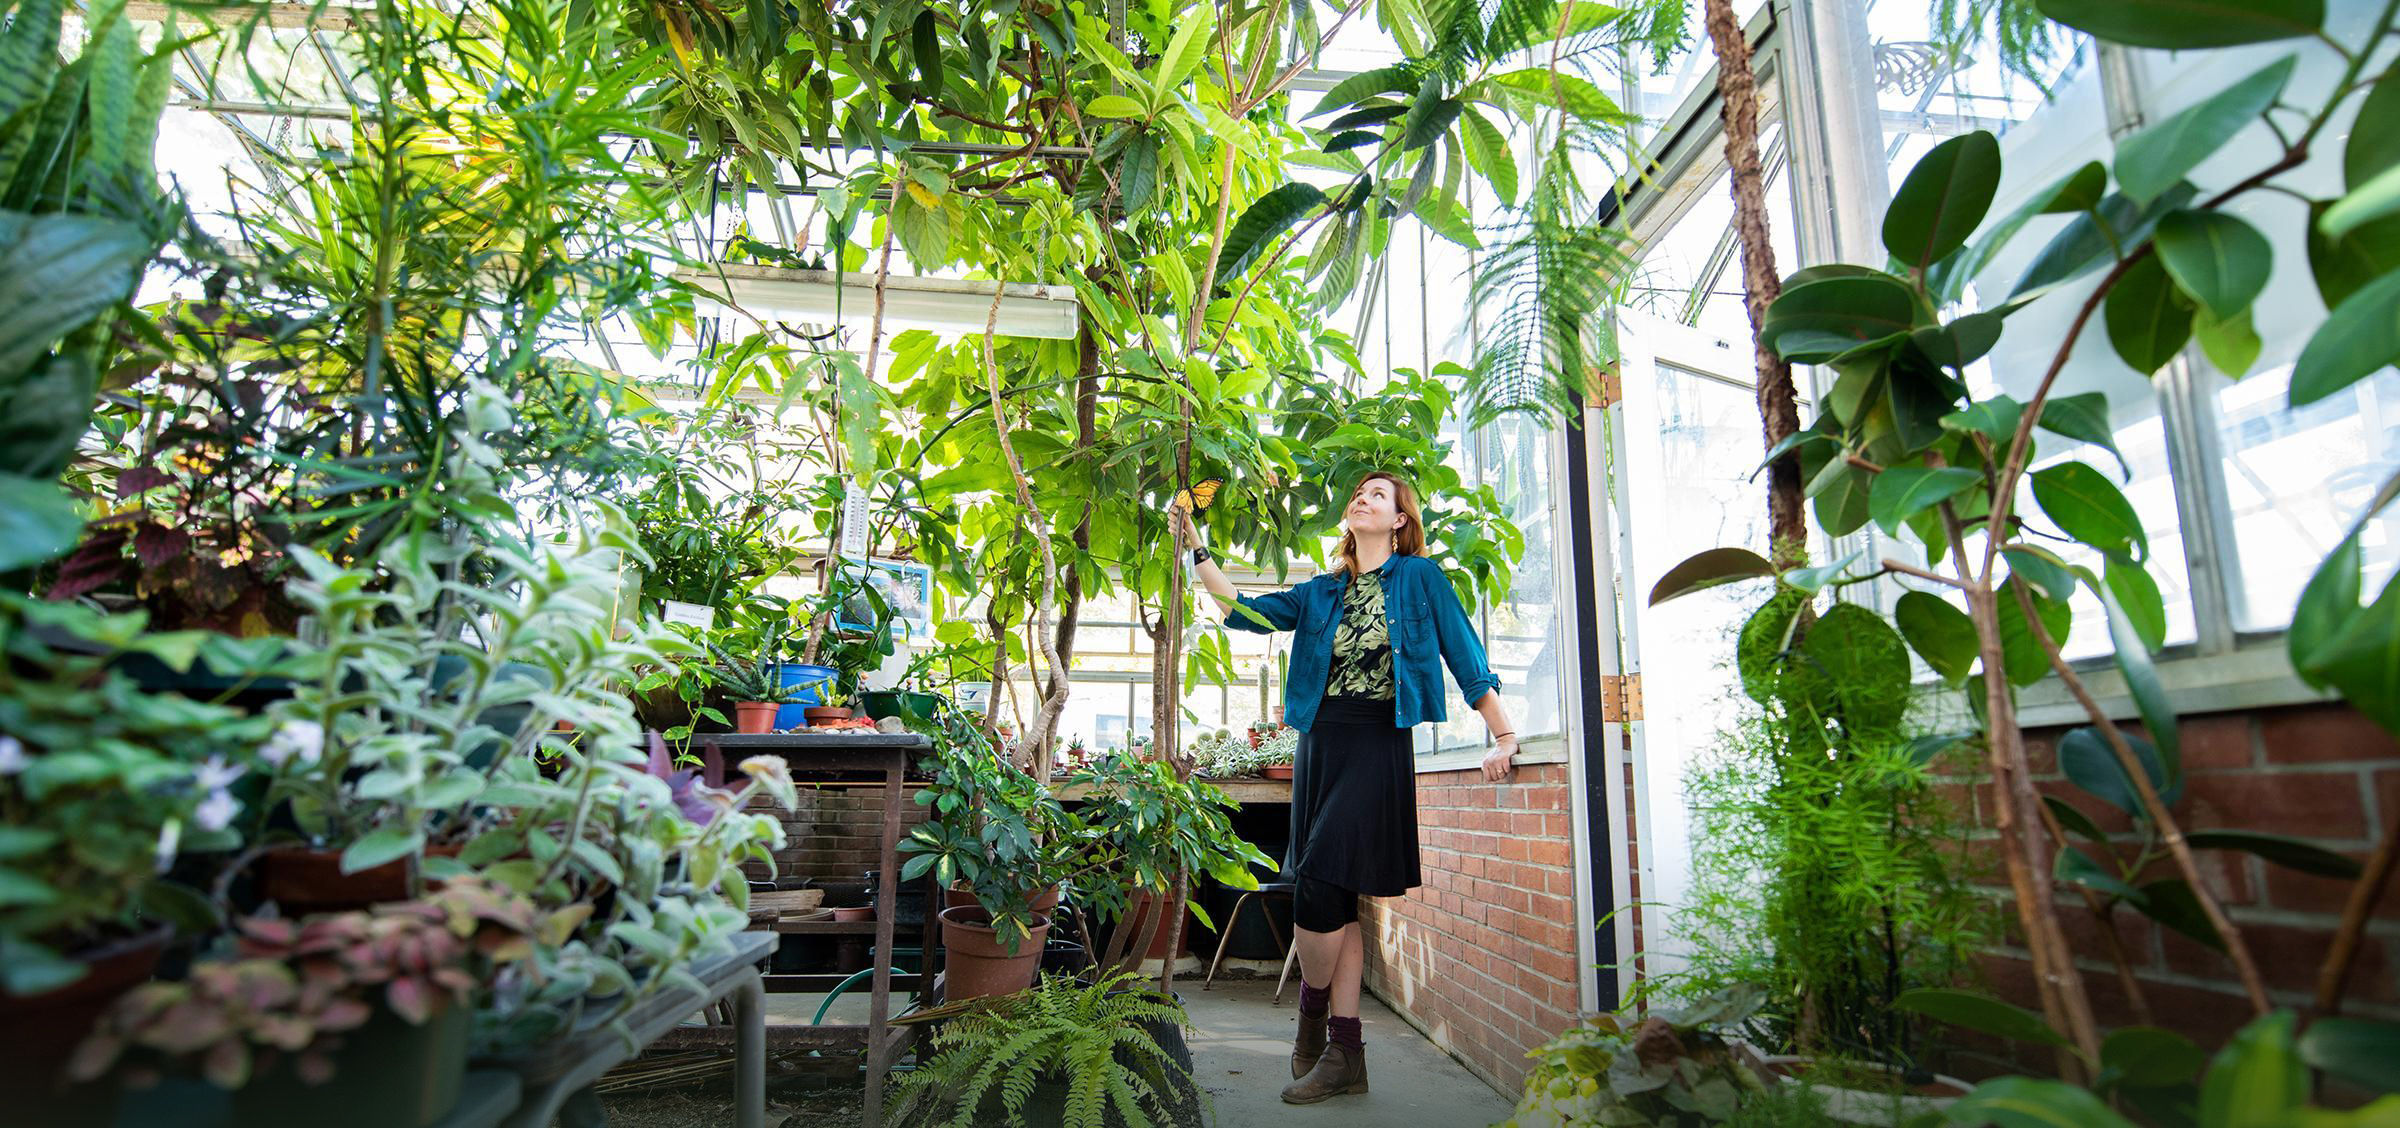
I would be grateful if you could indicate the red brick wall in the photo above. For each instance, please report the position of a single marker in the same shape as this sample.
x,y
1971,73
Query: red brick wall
x,y
1483,955
836,834
2319,772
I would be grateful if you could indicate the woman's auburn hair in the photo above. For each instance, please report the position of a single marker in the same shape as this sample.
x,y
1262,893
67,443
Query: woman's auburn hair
x,y
1404,498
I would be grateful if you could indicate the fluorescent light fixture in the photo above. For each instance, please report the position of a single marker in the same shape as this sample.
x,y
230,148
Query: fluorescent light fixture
x,y
943,304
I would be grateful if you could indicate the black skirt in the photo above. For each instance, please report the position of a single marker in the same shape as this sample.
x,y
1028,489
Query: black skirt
x,y
1354,800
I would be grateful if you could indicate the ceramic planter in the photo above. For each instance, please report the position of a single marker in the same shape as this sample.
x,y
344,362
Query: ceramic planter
x,y
979,965
755,716
808,684
303,880
39,1032
388,1074
1163,943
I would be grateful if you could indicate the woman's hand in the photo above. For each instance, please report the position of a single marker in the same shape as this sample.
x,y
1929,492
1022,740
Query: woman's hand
x,y
1183,520
1501,760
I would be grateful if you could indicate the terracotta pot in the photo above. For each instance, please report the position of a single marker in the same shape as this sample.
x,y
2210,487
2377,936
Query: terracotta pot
x,y
303,880
1139,909
753,717
979,965
854,913
1276,771
960,896
818,714
39,1032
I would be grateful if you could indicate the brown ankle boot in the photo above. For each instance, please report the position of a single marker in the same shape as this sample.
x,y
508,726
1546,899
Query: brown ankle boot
x,y
1310,1044
1341,1070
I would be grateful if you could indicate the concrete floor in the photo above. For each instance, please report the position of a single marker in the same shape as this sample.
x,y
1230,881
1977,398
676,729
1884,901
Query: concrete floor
x,y
1242,1048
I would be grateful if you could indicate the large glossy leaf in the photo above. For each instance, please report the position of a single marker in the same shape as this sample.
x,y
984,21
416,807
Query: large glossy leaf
x,y
1765,637
1194,27
2362,659
1980,1013
2257,1079
2077,191
2084,418
1902,491
2071,818
1813,580
1995,418
1961,342
2374,144
2326,607
2087,761
2170,902
1943,199
2095,238
2138,594
2231,345
2146,1057
2216,258
38,521
2360,336
1841,505
1709,569
1823,317
2362,255
1398,78
2182,24
2075,867
1853,668
2022,659
1488,151
2361,1051
2028,1102
2141,676
1939,632
1114,106
2148,317
2155,159
2042,570
2088,507
2290,853
1263,222
2376,199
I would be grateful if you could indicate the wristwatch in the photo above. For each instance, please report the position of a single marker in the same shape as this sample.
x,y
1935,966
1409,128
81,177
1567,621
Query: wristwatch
x,y
1199,556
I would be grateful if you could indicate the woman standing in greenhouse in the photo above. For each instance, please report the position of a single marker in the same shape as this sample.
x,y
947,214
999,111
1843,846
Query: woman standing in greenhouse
x,y
1370,638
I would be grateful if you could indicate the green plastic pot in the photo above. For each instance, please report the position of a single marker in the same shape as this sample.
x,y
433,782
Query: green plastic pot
x,y
881,703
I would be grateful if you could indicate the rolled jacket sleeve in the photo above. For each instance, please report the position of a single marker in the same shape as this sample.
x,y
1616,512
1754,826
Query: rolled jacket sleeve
x,y
1279,610
1461,650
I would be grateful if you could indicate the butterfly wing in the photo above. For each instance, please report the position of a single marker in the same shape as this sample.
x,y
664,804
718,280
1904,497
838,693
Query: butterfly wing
x,y
1206,492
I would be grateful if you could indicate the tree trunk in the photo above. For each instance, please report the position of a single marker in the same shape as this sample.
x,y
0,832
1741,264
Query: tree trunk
x,y
1070,596
1778,404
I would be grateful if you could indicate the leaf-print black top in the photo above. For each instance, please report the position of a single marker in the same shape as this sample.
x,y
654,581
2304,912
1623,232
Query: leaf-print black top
x,y
1362,644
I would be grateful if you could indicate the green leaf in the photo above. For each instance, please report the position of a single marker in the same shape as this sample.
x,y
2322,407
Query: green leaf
x,y
2088,507
1980,1013
2084,418
2342,266
2093,238
2257,1080
2087,761
2075,867
1265,220
2022,659
2071,817
2362,659
2290,853
2374,145
2146,1057
2327,605
1709,569
1766,635
385,844
2026,1102
2216,258
1195,26
1813,580
2360,336
1428,121
1943,200
1489,153
1840,499
1902,491
2376,199
1995,418
2080,190
2148,318
1395,79
2138,594
58,272
1940,633
2141,677
1961,342
2042,571
38,522
2153,160
1114,106
2364,1052
1853,669
2170,902
1817,320
2180,24
2232,346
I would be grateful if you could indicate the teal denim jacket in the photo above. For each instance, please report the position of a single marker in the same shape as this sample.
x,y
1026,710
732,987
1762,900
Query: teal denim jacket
x,y
1428,629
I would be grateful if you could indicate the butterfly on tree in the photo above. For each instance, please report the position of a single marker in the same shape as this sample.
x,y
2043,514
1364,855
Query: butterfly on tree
x,y
1202,495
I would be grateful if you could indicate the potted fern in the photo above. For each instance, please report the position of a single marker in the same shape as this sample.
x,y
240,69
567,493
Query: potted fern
x,y
1098,1054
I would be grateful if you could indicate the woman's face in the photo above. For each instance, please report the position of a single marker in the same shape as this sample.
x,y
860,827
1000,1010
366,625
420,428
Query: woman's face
x,y
1374,509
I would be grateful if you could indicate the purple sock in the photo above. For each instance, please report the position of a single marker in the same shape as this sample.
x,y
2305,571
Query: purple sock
x,y
1315,1000
1345,1033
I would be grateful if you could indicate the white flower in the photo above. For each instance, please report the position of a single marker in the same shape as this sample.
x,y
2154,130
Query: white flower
x,y
169,835
216,774
12,756
305,739
215,812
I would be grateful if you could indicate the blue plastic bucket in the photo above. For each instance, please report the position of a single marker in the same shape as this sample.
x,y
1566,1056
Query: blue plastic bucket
x,y
810,681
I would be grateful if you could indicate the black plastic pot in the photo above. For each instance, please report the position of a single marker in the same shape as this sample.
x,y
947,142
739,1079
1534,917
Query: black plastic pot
x,y
388,1074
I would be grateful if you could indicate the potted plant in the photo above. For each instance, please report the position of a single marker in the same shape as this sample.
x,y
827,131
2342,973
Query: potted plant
x,y
757,692
103,786
1068,1052
833,705
378,998
1276,751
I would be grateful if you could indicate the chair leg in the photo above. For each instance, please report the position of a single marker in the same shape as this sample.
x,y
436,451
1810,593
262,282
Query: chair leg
x,y
1224,938
1290,955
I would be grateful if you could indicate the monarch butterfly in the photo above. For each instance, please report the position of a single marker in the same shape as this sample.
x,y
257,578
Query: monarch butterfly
x,y
1202,494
